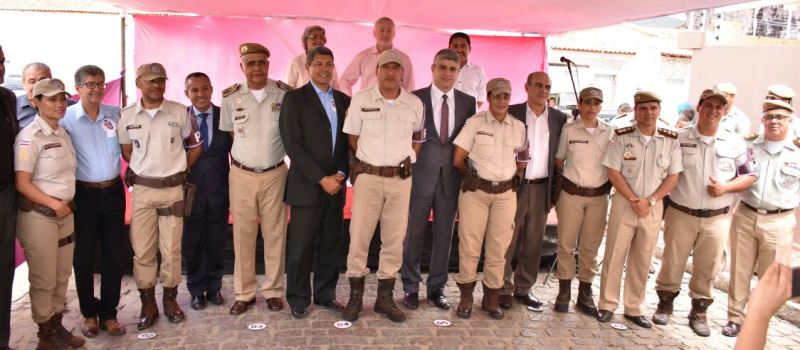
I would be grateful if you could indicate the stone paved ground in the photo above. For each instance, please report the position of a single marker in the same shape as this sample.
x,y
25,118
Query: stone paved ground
x,y
213,328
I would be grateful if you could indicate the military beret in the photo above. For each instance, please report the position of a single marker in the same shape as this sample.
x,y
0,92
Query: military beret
x,y
590,92
390,56
711,93
727,88
776,104
248,48
150,71
782,91
498,86
49,87
645,96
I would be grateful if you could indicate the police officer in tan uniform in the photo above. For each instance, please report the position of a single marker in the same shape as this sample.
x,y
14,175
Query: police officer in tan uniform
x,y
491,153
386,128
583,202
643,163
761,228
250,112
697,220
159,141
733,120
45,176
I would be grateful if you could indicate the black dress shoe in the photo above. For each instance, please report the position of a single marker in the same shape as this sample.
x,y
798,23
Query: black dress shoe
x,y
299,311
640,321
215,298
331,304
198,302
604,315
438,299
411,300
528,299
731,329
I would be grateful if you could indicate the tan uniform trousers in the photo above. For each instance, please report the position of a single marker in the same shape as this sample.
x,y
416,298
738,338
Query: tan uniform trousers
x,y
255,196
757,240
49,266
385,199
581,224
629,245
488,219
705,239
151,233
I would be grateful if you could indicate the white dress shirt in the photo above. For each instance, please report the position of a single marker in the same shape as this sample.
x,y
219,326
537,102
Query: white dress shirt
x,y
538,144
472,81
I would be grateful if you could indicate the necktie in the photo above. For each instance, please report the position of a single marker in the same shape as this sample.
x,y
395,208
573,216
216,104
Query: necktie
x,y
444,125
204,129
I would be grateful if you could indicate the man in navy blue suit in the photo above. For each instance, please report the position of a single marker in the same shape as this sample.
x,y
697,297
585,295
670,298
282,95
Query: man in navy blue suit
x,y
204,232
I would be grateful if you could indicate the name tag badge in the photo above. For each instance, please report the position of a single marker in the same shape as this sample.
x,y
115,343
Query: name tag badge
x,y
133,126
578,141
51,145
692,145
481,132
375,109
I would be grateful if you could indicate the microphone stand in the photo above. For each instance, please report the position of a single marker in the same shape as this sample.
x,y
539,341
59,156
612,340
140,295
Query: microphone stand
x,y
575,112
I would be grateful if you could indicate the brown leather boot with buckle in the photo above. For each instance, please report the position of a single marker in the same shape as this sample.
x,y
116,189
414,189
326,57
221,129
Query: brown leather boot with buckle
x,y
464,309
664,309
489,303
356,301
149,313
585,302
564,294
171,309
65,335
697,317
384,303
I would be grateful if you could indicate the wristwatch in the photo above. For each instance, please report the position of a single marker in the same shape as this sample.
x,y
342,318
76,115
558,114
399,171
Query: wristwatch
x,y
652,202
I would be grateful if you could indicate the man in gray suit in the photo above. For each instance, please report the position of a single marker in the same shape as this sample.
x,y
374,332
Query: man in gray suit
x,y
435,182
534,197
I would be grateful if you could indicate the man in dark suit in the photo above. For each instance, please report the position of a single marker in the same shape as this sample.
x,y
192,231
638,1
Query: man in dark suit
x,y
435,182
311,122
8,199
535,195
204,233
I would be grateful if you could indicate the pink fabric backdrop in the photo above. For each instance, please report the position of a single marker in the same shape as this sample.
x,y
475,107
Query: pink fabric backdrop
x,y
210,44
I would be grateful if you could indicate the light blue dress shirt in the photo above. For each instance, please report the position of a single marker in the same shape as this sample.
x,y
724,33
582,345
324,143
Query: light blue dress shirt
x,y
96,144
326,98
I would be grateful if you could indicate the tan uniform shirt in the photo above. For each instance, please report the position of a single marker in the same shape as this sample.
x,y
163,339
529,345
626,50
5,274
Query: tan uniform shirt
x,y
384,130
257,140
47,154
492,145
583,153
776,186
643,164
718,157
158,141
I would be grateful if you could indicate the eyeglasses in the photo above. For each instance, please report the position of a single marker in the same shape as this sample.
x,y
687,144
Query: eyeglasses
x,y
92,85
776,117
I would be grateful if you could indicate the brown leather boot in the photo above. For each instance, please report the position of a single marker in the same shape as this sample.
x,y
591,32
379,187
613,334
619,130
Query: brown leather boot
x,y
664,309
585,302
489,303
171,309
65,335
564,294
464,309
149,312
356,301
48,339
697,317
384,303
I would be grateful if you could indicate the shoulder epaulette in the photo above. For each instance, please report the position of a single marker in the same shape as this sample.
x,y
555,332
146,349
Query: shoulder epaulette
x,y
283,86
753,136
625,130
233,88
668,133
797,141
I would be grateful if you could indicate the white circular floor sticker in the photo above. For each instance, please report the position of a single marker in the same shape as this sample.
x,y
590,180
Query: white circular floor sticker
x,y
342,324
256,326
535,308
148,335
619,326
442,323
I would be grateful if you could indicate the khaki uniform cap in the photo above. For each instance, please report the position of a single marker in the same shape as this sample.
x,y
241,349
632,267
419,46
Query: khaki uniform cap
x,y
151,71
712,93
645,96
591,92
727,88
390,56
248,48
49,87
498,86
776,104
781,91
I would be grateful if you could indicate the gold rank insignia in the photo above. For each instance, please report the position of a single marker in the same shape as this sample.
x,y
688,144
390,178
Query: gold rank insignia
x,y
233,88
753,136
628,156
283,86
668,133
625,130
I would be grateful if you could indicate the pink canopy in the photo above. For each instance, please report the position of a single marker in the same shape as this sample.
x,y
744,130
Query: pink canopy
x,y
528,16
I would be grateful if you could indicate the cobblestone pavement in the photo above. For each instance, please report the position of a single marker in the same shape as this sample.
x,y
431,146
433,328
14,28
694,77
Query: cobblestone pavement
x,y
214,328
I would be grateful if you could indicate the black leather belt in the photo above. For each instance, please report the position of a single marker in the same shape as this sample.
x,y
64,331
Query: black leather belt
x,y
573,189
98,185
700,213
536,181
239,165
765,211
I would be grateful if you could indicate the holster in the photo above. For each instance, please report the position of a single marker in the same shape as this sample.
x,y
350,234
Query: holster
x,y
405,168
189,191
558,183
176,209
516,181
130,177
355,169
471,180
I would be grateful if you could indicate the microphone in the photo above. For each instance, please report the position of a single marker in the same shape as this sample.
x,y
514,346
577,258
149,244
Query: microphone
x,y
567,60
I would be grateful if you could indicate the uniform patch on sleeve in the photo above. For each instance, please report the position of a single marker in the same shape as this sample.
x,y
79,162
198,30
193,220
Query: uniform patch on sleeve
x,y
24,142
